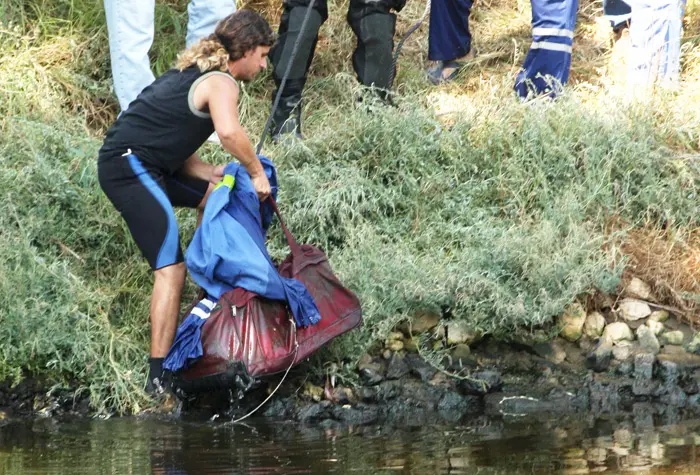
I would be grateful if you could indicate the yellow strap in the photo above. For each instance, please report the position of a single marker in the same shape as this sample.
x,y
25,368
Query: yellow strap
x,y
228,181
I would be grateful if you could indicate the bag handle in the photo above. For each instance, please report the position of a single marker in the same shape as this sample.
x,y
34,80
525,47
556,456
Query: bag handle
x,y
294,246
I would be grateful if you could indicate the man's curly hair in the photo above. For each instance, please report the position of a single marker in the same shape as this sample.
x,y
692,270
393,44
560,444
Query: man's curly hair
x,y
234,35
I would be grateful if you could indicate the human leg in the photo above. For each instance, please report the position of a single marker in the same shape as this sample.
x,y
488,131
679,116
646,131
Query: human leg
x,y
203,15
130,31
547,64
374,26
287,116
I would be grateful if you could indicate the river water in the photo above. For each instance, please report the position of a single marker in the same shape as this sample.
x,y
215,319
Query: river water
x,y
483,446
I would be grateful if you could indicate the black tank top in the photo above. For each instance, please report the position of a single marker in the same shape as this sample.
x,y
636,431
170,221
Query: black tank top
x,y
161,126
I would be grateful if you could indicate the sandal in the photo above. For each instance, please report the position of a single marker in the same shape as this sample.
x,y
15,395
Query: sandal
x,y
435,74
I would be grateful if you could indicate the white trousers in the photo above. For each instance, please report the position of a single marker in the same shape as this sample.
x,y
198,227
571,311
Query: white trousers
x,y
130,24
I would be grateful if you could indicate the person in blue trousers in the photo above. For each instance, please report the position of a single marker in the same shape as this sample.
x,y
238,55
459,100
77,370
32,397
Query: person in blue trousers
x,y
449,39
619,14
547,64
130,27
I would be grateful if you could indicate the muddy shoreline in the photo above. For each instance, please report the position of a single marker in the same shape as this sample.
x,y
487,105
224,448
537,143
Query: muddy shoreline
x,y
522,380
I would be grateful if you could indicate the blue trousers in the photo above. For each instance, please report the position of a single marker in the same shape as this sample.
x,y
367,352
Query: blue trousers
x,y
547,64
449,36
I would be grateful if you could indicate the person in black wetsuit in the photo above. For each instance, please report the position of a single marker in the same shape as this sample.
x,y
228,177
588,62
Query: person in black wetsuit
x,y
148,162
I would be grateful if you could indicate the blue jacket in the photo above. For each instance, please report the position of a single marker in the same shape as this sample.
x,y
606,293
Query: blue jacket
x,y
228,249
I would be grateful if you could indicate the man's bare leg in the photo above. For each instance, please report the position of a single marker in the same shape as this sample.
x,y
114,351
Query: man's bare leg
x,y
165,307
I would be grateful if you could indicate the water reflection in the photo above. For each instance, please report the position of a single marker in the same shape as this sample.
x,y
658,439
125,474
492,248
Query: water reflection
x,y
132,446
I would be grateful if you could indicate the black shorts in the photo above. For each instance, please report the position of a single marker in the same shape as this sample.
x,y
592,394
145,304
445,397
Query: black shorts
x,y
145,198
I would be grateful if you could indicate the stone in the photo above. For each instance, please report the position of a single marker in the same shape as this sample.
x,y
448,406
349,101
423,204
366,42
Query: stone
x,y
647,340
694,345
672,338
617,331
460,332
644,366
315,393
669,372
685,361
672,350
622,350
659,316
424,321
461,351
410,345
397,367
482,382
572,322
594,325
599,359
637,288
386,354
597,455
420,368
551,351
395,336
395,345
656,327
632,309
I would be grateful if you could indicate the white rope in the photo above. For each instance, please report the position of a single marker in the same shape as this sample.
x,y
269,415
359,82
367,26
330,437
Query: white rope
x,y
296,351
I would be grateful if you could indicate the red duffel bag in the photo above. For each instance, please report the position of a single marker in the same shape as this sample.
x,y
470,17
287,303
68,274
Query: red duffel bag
x,y
247,336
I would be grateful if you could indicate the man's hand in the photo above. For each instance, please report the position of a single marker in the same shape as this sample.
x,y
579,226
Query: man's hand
x,y
262,186
217,173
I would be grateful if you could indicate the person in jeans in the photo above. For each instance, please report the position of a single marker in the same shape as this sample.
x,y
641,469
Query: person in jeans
x,y
130,27
148,163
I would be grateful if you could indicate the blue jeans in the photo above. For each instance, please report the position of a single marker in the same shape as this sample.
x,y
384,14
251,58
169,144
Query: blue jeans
x,y
130,28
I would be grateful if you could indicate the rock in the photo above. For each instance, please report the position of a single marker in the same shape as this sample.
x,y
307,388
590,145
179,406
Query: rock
x,y
372,372
637,288
313,392
395,345
669,372
617,331
397,367
672,350
461,351
481,383
410,345
647,340
694,345
572,322
386,354
594,325
672,338
644,366
424,321
632,309
622,350
420,368
656,327
459,332
314,412
625,368
395,336
659,316
599,359
551,351
685,361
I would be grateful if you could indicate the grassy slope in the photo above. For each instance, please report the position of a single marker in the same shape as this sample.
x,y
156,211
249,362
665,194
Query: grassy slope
x,y
459,198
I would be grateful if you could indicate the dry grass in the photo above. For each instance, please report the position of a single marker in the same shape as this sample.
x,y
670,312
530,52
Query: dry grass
x,y
670,264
